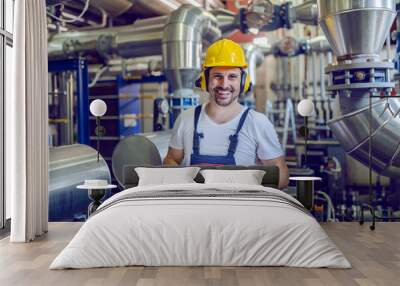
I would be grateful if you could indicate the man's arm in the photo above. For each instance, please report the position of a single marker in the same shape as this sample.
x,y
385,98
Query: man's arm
x,y
283,170
174,157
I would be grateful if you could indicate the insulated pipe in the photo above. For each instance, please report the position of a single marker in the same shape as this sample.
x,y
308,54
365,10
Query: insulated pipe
x,y
356,28
314,76
188,30
119,7
322,75
143,38
306,13
214,4
254,58
299,77
318,44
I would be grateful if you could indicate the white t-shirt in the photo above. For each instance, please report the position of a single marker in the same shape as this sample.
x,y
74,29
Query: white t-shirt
x,y
257,139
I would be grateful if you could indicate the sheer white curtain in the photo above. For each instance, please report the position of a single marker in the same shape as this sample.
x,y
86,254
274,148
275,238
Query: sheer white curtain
x,y
27,124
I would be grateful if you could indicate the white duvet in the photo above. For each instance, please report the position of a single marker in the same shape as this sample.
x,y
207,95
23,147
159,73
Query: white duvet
x,y
183,231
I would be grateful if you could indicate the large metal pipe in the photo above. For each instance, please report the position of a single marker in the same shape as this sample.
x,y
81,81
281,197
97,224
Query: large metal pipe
x,y
119,7
214,4
356,31
306,13
70,166
318,44
356,28
143,38
254,58
188,30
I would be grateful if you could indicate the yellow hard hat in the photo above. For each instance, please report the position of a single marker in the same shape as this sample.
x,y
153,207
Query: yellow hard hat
x,y
225,53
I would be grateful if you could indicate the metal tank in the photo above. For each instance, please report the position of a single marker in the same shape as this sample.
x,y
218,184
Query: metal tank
x,y
356,31
134,150
160,139
70,166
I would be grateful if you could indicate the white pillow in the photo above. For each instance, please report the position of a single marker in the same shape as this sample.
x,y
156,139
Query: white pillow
x,y
248,177
166,176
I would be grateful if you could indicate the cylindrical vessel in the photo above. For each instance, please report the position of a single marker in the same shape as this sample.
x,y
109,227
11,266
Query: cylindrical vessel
x,y
133,150
160,139
70,166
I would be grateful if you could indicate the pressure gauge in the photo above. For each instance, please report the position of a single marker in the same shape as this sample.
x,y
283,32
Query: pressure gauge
x,y
163,106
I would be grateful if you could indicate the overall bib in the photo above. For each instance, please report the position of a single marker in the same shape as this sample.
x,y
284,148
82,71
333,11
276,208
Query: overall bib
x,y
197,159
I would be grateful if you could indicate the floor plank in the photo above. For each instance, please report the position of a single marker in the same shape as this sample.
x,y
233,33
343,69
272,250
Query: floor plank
x,y
375,257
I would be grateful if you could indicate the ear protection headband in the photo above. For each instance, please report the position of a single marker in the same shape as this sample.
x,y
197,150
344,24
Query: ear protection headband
x,y
245,82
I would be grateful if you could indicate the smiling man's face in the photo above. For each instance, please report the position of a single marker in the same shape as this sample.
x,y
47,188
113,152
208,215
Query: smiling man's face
x,y
224,85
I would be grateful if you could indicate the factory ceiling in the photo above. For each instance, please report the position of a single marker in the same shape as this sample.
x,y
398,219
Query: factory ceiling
x,y
118,12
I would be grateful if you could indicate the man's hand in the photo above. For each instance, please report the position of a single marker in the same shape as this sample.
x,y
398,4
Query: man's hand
x,y
283,170
174,157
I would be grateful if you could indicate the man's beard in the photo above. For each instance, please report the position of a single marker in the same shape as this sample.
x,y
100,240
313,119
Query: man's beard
x,y
221,100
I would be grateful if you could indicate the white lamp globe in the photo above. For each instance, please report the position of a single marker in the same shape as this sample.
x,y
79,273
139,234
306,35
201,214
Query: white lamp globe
x,y
98,107
305,107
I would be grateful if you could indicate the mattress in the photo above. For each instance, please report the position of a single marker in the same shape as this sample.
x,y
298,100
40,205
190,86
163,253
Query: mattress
x,y
201,225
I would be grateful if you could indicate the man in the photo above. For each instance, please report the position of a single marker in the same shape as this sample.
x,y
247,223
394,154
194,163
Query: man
x,y
223,132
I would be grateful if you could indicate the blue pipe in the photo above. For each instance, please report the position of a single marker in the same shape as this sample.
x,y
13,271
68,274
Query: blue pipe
x,y
397,64
83,102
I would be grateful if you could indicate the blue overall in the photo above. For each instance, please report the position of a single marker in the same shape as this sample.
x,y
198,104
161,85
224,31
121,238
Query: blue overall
x,y
197,159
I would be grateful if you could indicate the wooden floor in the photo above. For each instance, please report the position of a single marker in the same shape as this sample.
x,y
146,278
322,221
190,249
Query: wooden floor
x,y
375,257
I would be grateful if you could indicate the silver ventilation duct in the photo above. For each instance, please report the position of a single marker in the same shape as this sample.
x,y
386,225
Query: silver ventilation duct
x,y
144,7
213,4
116,8
255,57
156,7
318,44
306,13
143,38
188,30
356,28
356,31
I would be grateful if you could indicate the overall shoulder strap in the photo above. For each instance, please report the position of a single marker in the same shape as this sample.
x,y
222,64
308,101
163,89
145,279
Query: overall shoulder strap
x,y
233,139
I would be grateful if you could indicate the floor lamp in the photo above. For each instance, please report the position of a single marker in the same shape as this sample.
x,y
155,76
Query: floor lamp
x,y
98,108
305,109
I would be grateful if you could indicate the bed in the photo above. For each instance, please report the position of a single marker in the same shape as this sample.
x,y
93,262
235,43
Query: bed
x,y
197,224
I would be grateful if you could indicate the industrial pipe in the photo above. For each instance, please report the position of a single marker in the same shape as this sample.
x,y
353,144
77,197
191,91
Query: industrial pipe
x,y
306,13
188,30
143,38
356,31
254,58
